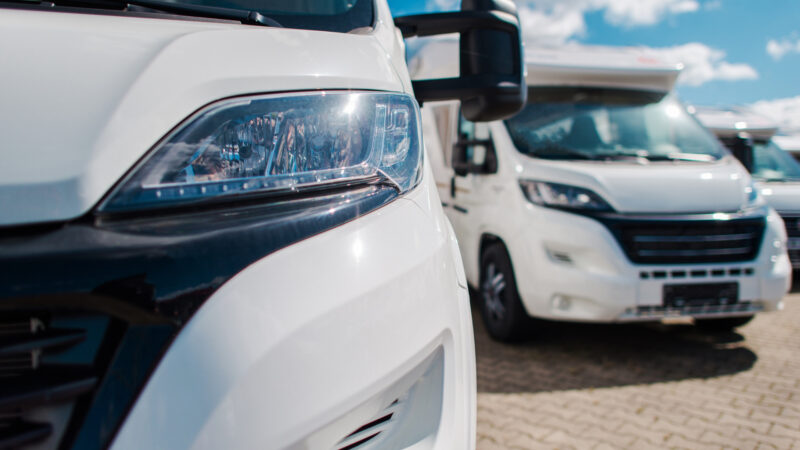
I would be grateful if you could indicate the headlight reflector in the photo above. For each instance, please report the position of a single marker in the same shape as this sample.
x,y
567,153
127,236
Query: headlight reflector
x,y
563,196
279,144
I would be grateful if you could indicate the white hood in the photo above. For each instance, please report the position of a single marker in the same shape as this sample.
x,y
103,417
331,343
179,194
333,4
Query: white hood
x,y
658,187
784,197
84,97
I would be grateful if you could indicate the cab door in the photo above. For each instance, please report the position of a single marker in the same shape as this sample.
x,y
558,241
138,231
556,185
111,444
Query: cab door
x,y
471,191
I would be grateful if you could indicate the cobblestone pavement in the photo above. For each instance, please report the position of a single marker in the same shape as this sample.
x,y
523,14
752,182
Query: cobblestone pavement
x,y
643,386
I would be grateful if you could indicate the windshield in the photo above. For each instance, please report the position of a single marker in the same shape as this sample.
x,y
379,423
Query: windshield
x,y
607,124
770,163
326,15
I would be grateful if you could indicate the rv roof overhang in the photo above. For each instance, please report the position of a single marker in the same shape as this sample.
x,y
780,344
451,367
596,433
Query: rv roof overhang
x,y
647,79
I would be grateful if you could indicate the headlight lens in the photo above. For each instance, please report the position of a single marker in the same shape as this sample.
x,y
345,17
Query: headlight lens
x,y
752,195
279,144
562,196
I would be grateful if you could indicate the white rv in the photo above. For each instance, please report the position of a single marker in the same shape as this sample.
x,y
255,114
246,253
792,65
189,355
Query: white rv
x,y
219,228
605,201
789,143
751,138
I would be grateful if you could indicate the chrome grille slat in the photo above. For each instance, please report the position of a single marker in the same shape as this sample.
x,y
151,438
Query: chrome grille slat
x,y
707,252
52,338
698,238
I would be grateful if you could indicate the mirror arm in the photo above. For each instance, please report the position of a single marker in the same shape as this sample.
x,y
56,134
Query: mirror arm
x,y
422,25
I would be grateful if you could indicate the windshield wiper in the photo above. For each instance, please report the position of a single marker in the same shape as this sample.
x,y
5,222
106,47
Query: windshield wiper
x,y
698,157
554,152
213,12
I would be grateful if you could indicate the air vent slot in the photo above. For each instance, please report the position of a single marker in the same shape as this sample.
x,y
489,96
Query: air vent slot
x,y
367,433
34,374
15,432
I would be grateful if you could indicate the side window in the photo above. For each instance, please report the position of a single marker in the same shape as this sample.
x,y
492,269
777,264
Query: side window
x,y
475,145
444,127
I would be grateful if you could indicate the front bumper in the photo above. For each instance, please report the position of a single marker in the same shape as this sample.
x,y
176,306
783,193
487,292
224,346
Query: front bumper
x,y
316,341
237,335
571,267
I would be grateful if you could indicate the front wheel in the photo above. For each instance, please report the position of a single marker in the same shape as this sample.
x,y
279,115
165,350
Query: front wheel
x,y
722,325
502,311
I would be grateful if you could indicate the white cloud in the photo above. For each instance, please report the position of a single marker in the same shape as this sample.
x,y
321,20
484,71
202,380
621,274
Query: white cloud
x,y
548,22
644,12
785,111
778,49
702,63
442,5
551,28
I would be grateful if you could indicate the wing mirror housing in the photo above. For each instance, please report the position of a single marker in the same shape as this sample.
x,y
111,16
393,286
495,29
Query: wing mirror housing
x,y
473,156
491,81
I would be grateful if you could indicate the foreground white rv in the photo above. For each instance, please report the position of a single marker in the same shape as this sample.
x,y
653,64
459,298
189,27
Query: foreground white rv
x,y
605,201
219,229
776,174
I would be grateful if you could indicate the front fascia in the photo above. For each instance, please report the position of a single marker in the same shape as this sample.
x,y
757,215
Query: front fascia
x,y
146,276
187,67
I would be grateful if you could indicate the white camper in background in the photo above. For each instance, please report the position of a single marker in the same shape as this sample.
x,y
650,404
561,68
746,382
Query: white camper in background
x,y
789,143
605,201
775,172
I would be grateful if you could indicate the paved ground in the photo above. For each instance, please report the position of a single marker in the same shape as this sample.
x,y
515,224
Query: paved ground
x,y
636,386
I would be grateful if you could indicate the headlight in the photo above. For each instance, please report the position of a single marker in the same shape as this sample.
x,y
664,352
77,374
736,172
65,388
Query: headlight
x,y
563,196
752,196
279,144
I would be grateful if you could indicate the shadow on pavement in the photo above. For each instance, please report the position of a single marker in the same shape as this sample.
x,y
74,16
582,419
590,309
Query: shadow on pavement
x,y
561,356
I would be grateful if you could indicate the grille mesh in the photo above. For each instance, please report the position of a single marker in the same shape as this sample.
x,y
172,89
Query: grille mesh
x,y
32,377
689,242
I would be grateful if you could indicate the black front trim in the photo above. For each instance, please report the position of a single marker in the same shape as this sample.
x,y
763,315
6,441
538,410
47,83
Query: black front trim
x,y
688,239
733,237
144,277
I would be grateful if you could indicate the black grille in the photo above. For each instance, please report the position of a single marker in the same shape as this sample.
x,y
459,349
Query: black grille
x,y
689,241
792,225
47,362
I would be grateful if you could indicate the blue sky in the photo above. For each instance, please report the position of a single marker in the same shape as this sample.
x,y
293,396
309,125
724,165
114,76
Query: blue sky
x,y
736,52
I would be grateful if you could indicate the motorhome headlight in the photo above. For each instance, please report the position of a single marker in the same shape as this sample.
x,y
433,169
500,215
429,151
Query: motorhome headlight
x,y
752,196
279,144
562,196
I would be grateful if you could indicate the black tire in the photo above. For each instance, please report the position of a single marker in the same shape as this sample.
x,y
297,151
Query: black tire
x,y
722,325
502,311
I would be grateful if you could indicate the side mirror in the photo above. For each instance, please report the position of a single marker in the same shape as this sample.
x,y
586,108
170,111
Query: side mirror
x,y
491,81
479,160
742,148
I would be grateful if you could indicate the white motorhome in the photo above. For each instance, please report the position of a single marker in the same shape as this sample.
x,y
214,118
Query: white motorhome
x,y
219,228
605,201
751,138
789,143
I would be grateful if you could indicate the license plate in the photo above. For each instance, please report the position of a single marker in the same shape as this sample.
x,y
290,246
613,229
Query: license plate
x,y
705,294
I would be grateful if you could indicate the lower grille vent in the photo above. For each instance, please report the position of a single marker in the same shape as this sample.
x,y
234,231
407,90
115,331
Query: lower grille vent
x,y
367,433
15,432
43,362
